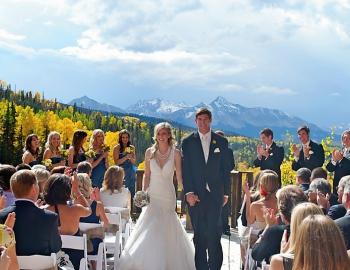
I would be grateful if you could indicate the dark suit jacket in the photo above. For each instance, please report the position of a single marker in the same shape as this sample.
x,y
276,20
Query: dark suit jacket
x,y
316,159
270,243
196,173
336,211
36,230
344,225
274,161
340,169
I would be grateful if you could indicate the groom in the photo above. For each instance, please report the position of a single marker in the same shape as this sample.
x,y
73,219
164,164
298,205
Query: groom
x,y
206,183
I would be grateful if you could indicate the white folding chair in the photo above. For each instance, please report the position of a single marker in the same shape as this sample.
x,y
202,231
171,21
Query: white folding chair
x,y
79,243
38,262
114,242
100,257
125,224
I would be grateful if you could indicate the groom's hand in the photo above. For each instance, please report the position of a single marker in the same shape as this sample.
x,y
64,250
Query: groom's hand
x,y
225,200
192,199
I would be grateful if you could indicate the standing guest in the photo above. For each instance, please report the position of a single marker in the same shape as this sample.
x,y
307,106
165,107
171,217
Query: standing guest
x,y
226,208
6,171
340,161
58,194
76,152
270,155
310,155
100,161
84,167
318,172
36,229
339,210
319,245
303,178
124,155
31,150
207,187
53,150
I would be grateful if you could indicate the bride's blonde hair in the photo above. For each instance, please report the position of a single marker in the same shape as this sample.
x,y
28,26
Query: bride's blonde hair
x,y
171,140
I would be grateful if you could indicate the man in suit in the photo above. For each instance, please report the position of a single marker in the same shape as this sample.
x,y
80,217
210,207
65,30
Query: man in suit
x,y
344,222
206,181
340,161
269,155
36,230
226,208
310,155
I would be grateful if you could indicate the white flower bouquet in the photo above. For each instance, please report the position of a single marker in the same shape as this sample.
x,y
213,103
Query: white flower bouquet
x,y
141,199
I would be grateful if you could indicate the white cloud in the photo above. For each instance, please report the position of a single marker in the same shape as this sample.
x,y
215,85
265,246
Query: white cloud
x,y
7,36
273,90
335,94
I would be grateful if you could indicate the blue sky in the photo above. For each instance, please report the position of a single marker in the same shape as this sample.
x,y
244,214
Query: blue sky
x,y
291,55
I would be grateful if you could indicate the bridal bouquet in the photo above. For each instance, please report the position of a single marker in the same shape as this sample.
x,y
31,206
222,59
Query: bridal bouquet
x,y
90,153
141,199
47,162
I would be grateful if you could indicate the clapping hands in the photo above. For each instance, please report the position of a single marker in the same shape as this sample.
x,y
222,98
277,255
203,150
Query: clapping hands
x,y
337,155
295,150
270,216
261,151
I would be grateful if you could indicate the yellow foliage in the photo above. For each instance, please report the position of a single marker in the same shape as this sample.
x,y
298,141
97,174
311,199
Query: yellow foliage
x,y
141,165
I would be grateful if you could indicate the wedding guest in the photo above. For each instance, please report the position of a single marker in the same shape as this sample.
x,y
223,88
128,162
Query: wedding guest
x,y
124,155
269,155
320,193
58,169
319,245
113,193
42,176
36,229
53,150
97,209
338,210
100,161
318,172
58,194
344,222
6,171
23,166
76,152
31,150
303,178
310,155
269,242
226,208
284,260
84,167
340,160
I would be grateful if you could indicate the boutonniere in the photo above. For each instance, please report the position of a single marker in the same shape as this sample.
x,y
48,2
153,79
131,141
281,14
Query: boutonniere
x,y
213,142
271,154
311,152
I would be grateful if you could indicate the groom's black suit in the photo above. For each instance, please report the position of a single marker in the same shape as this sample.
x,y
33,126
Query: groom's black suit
x,y
205,215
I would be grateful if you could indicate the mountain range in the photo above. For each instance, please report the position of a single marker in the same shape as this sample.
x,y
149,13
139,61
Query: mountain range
x,y
232,118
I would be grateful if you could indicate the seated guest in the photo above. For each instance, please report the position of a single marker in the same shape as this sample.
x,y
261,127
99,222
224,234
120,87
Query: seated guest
x,y
269,155
319,245
31,150
36,229
42,176
321,189
59,169
318,172
53,150
344,222
84,167
113,193
303,178
284,260
58,193
310,155
6,171
269,242
340,161
338,210
23,166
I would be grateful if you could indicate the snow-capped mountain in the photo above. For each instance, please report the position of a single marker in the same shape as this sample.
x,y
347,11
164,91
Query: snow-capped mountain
x,y
88,103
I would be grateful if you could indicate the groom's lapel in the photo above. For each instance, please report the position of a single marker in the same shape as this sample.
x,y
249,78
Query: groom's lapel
x,y
213,145
199,146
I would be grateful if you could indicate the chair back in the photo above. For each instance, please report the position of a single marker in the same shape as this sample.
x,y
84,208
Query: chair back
x,y
78,243
39,262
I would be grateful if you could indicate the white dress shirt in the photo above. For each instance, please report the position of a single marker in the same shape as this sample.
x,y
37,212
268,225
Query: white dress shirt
x,y
205,140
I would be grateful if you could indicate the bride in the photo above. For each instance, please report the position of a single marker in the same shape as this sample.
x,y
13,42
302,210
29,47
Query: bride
x,y
159,241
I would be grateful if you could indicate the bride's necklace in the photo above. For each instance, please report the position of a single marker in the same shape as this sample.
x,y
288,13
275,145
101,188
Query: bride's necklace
x,y
163,156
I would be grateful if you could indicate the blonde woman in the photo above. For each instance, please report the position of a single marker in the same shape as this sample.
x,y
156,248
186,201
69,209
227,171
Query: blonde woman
x,y
158,239
113,193
320,245
124,155
100,161
284,260
53,149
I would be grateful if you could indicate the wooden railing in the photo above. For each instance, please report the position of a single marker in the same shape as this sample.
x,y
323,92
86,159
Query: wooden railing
x,y
236,196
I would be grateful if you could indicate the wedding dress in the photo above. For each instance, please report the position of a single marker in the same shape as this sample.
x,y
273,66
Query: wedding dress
x,y
158,240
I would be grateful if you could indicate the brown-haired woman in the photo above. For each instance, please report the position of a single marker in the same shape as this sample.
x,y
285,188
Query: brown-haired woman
x,y
76,152
31,150
124,156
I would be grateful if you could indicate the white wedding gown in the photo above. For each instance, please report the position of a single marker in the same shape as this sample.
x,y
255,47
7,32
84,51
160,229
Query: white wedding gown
x,y
158,240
